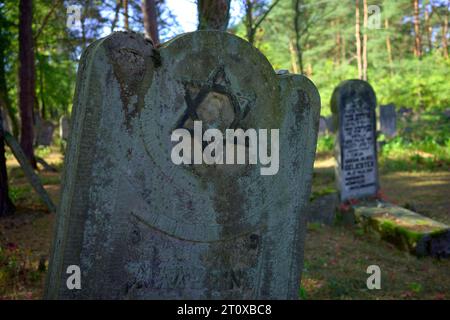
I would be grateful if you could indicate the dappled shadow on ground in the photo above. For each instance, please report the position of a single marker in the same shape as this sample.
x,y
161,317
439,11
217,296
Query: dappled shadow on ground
x,y
336,260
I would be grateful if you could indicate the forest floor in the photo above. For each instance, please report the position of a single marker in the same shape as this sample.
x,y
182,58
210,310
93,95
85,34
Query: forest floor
x,y
336,257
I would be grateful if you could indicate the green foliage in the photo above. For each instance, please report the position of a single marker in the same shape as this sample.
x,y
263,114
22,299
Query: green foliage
x,y
42,151
328,49
19,193
421,144
325,144
302,293
314,226
321,192
415,287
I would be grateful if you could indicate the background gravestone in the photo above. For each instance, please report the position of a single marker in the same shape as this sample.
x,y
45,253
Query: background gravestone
x,y
323,209
331,126
322,126
388,120
44,132
64,127
141,227
353,105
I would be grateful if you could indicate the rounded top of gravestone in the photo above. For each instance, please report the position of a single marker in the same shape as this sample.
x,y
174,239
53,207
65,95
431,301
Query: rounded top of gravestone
x,y
282,72
354,89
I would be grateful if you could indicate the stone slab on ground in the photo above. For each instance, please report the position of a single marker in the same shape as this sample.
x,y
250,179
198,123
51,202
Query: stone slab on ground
x,y
406,229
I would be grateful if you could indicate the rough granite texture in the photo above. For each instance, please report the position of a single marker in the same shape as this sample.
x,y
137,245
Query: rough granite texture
x,y
141,227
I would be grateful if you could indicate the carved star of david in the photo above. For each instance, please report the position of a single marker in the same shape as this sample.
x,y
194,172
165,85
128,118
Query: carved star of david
x,y
217,82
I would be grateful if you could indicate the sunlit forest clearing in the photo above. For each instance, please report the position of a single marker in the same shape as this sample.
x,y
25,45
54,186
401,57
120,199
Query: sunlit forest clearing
x,y
399,47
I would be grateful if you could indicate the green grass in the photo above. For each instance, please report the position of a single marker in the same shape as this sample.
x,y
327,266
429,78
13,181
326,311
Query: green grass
x,y
325,144
42,151
19,193
421,144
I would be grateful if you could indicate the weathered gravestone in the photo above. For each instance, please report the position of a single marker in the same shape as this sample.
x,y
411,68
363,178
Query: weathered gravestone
x,y
322,126
141,227
323,209
388,120
353,105
331,126
44,132
64,127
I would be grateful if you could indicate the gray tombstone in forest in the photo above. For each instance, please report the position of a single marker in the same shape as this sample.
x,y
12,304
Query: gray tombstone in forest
x,y
353,105
64,127
388,120
322,126
140,226
331,126
44,132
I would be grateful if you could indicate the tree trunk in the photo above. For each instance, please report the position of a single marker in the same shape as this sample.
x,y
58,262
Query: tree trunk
x,y
298,46
6,205
338,46
42,90
83,25
417,40
252,23
364,51
429,29
26,78
125,13
343,50
5,101
116,15
213,14
388,46
444,36
249,21
293,55
358,41
150,15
